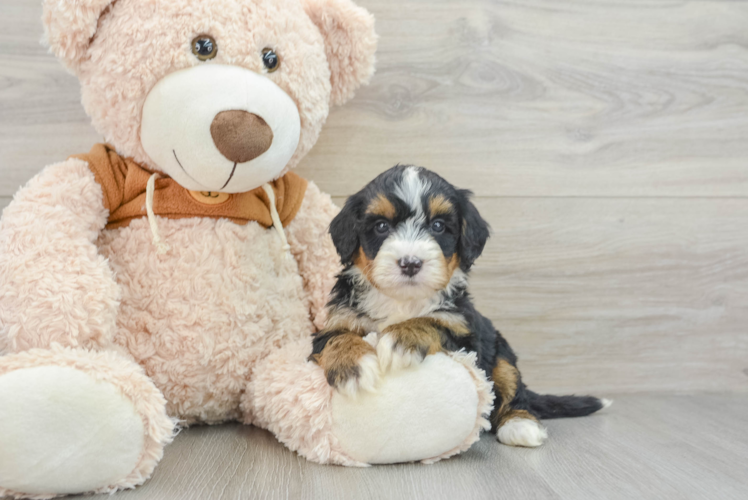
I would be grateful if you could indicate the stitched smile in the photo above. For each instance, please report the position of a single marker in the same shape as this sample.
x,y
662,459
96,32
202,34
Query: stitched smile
x,y
230,176
196,181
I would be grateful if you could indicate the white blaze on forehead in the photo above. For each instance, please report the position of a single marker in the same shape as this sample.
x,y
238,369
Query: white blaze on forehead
x,y
412,188
411,230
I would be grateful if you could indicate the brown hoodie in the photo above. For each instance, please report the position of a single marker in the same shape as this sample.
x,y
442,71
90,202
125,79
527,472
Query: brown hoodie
x,y
124,184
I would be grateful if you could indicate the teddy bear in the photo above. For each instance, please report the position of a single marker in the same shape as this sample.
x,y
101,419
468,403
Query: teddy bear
x,y
174,275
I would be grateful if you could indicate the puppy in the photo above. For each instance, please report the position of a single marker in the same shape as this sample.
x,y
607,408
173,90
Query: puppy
x,y
407,242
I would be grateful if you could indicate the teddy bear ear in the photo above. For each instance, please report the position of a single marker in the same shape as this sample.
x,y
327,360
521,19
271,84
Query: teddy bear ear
x,y
350,43
69,26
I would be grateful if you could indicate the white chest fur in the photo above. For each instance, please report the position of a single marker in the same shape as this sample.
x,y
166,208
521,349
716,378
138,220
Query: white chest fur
x,y
385,310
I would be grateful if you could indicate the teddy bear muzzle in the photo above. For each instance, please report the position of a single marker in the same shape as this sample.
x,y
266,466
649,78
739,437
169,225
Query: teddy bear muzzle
x,y
238,132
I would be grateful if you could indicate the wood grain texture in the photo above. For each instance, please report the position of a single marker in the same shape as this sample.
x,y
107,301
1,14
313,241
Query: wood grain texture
x,y
629,294
645,447
548,98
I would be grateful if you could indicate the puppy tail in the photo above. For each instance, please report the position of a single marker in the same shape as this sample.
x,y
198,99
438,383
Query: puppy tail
x,y
549,406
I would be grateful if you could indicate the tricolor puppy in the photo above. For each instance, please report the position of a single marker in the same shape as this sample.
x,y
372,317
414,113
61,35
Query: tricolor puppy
x,y
407,241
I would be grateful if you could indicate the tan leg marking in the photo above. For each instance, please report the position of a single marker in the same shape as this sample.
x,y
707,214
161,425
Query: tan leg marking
x,y
504,377
516,414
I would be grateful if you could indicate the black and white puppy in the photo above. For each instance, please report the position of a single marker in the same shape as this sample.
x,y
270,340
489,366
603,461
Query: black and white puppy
x,y
407,241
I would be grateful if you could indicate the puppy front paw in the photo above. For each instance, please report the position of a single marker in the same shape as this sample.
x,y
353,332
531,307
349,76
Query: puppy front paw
x,y
350,365
408,343
350,378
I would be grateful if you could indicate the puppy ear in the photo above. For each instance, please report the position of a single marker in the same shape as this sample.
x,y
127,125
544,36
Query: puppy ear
x,y
69,26
474,232
344,229
350,43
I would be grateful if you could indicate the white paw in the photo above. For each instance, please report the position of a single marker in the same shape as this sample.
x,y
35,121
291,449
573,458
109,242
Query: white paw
x,y
396,357
368,378
522,432
606,402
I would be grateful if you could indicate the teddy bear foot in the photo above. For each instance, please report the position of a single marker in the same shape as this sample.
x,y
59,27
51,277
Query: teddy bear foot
x,y
422,412
74,421
426,412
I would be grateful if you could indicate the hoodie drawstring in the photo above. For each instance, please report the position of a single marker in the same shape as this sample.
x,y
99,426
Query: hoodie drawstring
x,y
276,218
161,246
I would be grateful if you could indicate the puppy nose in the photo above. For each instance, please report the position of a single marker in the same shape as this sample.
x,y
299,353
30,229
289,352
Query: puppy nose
x,y
410,265
240,136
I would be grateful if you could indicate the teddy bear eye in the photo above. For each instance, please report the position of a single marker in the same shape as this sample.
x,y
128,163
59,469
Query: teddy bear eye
x,y
204,47
270,59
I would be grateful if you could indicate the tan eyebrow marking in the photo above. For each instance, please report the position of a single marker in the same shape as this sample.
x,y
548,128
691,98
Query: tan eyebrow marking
x,y
381,206
438,205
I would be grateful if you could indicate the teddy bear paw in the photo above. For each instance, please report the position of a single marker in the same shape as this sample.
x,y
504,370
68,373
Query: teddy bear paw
x,y
75,421
62,431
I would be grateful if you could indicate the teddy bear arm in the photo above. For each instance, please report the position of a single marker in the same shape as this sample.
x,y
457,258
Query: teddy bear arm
x,y
313,249
55,286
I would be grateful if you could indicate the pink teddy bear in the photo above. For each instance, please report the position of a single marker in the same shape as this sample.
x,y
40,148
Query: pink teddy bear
x,y
175,274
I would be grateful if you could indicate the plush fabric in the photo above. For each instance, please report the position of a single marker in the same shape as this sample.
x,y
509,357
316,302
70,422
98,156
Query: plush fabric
x,y
315,254
54,284
291,398
350,43
123,183
199,318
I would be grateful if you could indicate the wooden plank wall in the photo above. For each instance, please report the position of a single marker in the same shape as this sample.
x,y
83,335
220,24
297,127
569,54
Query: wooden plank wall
x,y
607,144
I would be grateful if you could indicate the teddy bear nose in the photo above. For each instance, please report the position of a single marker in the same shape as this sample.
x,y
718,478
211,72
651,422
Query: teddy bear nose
x,y
240,136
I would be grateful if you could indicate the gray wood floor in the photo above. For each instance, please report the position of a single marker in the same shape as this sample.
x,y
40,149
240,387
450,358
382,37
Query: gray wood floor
x,y
646,446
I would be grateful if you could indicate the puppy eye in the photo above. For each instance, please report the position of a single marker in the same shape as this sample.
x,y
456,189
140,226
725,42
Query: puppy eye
x,y
270,59
437,226
204,47
382,227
